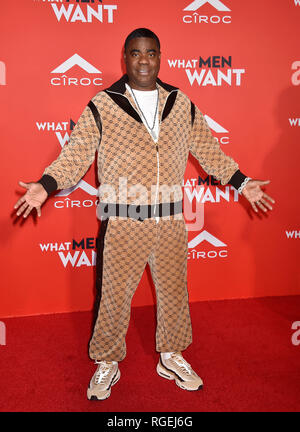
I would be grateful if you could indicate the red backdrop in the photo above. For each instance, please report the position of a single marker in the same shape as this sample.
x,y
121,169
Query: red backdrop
x,y
237,60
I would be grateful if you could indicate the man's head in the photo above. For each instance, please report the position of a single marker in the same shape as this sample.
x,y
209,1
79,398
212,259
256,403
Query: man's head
x,y
142,59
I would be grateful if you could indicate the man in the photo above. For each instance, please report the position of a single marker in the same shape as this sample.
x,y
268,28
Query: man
x,y
143,130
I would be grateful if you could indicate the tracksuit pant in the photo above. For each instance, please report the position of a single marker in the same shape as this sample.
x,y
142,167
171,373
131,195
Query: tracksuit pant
x,y
125,246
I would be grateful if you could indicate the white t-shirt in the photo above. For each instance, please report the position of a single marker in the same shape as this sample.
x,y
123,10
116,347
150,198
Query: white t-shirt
x,y
147,101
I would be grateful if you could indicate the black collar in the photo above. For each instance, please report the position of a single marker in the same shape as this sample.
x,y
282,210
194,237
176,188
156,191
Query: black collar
x,y
119,86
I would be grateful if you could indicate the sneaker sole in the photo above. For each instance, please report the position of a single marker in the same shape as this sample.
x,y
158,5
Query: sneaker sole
x,y
164,373
92,396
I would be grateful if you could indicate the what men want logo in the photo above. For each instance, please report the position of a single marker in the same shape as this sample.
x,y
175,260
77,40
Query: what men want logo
x,y
73,253
213,70
294,121
75,61
60,129
74,11
198,16
292,234
208,190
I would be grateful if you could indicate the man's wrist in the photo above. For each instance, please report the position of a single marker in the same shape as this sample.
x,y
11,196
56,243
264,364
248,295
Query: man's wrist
x,y
240,189
239,181
49,183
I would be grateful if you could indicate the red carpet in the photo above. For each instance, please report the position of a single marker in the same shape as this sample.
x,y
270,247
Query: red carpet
x,y
242,349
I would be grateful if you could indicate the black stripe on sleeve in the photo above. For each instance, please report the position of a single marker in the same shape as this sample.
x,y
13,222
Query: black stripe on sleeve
x,y
192,113
96,115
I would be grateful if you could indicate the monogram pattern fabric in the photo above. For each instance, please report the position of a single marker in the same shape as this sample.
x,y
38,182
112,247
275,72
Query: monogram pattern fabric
x,y
127,154
128,246
133,169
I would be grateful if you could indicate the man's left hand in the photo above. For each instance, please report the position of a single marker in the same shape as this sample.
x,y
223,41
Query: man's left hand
x,y
256,196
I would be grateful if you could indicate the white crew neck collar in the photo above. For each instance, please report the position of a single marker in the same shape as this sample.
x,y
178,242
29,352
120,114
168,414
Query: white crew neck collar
x,y
145,92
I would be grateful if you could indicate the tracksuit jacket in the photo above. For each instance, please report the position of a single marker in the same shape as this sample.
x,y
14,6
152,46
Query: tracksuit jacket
x,y
135,172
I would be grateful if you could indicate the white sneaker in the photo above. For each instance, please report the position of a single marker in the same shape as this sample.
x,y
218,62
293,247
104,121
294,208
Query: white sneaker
x,y
106,375
178,369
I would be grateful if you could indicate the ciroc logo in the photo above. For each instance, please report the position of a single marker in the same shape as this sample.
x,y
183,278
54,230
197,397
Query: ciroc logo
x,y
219,247
65,80
222,136
196,18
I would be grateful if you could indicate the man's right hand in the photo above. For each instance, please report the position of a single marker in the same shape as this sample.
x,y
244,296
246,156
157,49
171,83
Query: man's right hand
x,y
33,198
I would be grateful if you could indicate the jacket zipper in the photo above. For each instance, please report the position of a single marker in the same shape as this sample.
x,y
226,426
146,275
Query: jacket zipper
x,y
157,152
157,183
157,159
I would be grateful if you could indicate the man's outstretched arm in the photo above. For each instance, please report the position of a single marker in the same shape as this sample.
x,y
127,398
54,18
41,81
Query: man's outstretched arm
x,y
206,149
72,163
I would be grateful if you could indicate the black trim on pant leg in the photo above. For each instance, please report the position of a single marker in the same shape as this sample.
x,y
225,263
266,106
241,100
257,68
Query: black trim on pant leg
x,y
99,268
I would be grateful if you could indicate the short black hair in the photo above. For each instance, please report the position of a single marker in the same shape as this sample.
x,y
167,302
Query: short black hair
x,y
141,32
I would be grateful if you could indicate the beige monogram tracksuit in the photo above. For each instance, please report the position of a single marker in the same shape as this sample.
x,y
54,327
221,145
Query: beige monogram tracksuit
x,y
141,178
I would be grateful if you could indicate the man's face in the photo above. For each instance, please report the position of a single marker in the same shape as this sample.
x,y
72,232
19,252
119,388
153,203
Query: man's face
x,y
142,59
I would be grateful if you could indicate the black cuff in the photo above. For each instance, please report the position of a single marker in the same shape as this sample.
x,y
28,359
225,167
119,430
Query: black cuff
x,y
237,179
49,183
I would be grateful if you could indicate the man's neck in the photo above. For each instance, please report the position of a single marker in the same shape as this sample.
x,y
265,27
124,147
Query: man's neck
x,y
142,88
141,91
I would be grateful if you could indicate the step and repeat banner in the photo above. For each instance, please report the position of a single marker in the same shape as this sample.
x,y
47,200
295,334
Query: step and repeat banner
x,y
238,60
